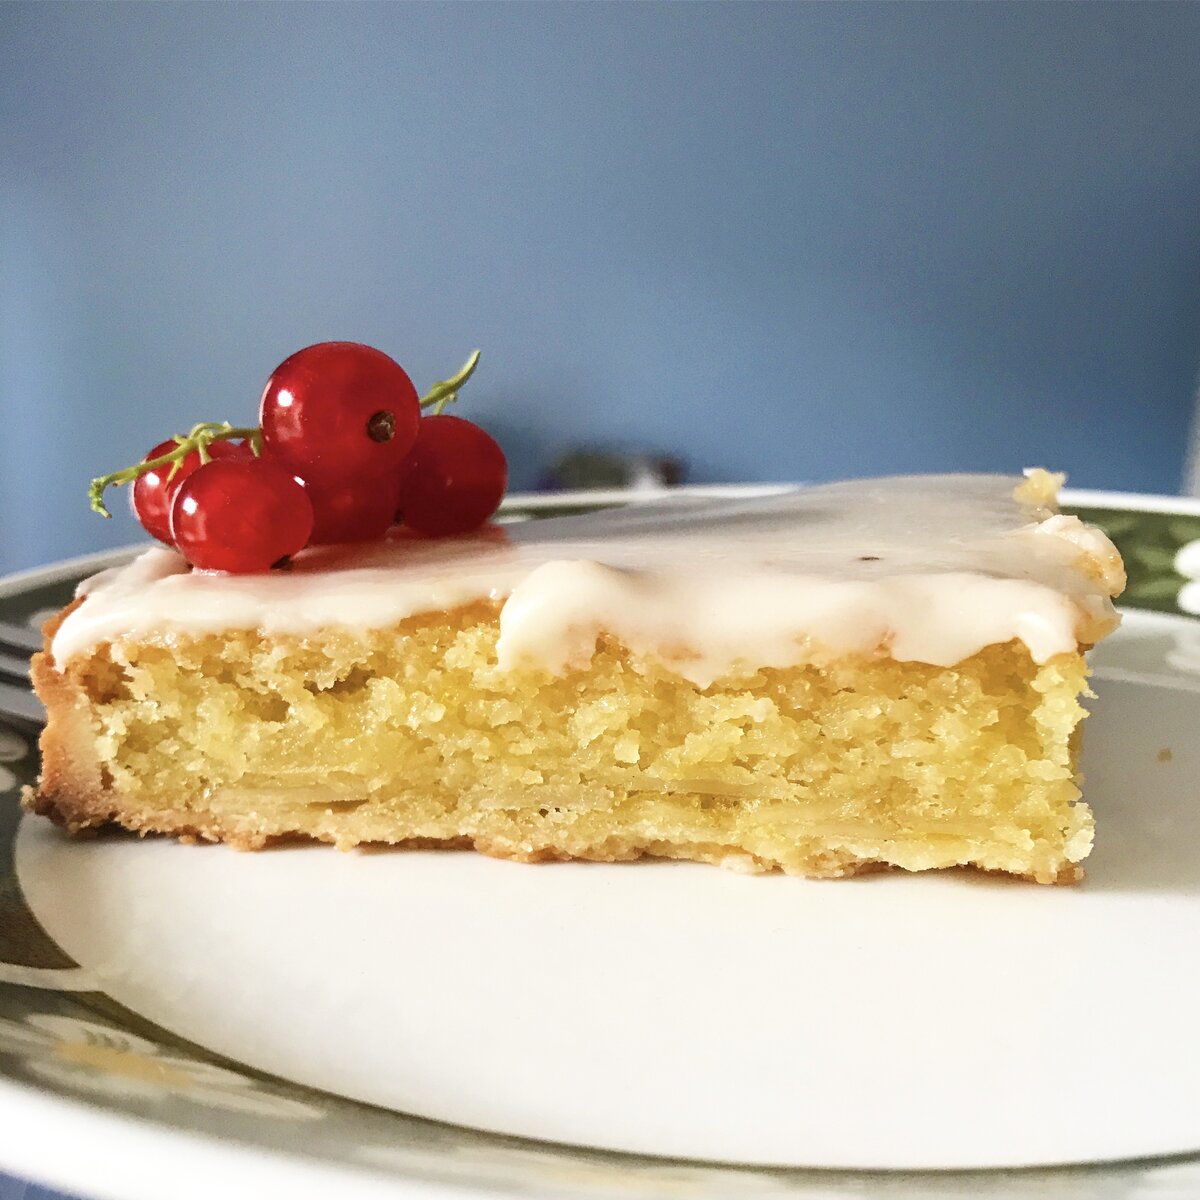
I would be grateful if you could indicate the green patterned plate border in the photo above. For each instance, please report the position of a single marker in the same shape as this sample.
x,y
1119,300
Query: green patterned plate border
x,y
96,1099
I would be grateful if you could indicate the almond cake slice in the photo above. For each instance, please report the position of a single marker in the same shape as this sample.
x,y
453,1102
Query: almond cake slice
x,y
875,673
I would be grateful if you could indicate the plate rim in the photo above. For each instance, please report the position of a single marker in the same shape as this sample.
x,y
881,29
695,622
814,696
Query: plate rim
x,y
39,1121
14,582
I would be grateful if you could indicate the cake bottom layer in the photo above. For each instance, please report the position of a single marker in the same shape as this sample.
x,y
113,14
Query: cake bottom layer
x,y
412,735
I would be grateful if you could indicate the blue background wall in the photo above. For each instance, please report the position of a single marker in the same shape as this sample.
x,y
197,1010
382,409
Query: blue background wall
x,y
789,241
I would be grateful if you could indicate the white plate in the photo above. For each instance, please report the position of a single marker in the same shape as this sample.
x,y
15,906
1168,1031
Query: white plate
x,y
892,1022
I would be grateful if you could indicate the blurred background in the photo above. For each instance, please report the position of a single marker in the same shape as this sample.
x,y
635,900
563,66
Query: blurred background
x,y
778,242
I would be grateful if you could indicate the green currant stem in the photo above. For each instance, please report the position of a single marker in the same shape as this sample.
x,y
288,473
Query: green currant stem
x,y
446,392
199,438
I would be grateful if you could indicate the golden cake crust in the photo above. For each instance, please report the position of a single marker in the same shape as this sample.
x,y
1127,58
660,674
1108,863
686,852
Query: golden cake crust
x,y
69,790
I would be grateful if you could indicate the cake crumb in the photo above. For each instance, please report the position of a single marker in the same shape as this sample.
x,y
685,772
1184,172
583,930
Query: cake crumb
x,y
1040,488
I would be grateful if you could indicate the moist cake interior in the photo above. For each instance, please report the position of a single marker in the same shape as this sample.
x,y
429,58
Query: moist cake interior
x,y
415,735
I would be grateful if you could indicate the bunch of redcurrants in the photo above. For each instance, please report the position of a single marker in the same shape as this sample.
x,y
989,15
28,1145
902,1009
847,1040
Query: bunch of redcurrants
x,y
341,454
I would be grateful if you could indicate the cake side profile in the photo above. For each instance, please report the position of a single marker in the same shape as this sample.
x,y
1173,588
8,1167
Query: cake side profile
x,y
883,673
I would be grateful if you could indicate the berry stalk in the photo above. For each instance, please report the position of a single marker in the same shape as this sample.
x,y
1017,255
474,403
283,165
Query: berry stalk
x,y
199,439
446,391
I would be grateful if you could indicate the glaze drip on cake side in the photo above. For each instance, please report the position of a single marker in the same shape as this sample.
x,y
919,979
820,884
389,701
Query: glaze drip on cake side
x,y
922,568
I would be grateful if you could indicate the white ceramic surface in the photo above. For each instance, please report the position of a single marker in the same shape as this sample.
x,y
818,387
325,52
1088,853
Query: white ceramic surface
x,y
892,1021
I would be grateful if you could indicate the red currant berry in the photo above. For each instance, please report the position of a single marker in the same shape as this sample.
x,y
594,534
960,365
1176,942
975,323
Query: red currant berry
x,y
339,412
240,516
353,514
153,492
454,478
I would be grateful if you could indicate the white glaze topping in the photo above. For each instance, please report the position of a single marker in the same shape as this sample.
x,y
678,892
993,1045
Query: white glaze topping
x,y
923,568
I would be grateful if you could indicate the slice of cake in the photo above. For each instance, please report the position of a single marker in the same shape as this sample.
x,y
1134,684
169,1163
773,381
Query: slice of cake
x,y
884,672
